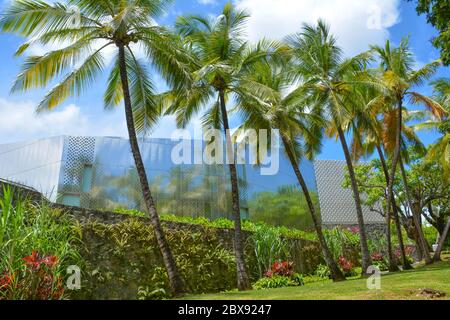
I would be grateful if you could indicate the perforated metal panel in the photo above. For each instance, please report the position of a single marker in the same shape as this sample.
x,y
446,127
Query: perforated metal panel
x,y
78,153
337,204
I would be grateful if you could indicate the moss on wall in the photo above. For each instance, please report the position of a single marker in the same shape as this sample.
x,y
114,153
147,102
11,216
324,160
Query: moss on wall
x,y
122,258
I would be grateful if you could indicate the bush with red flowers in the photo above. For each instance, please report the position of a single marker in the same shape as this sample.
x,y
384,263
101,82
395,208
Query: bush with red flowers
x,y
376,256
281,268
345,265
36,281
281,274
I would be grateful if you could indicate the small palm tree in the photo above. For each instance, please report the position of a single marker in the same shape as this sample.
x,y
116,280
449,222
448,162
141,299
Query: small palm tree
x,y
221,56
83,35
270,106
399,77
329,81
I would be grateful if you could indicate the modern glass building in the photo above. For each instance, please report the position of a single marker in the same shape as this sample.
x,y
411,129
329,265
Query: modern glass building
x,y
99,173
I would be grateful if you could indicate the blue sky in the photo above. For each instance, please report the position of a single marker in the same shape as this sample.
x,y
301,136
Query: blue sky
x,y
356,23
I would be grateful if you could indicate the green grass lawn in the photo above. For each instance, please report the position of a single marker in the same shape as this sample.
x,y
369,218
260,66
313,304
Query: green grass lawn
x,y
400,285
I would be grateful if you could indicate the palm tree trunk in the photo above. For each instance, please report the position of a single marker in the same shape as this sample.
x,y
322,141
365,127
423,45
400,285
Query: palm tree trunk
x,y
392,264
336,273
395,158
242,276
416,217
437,254
175,280
366,260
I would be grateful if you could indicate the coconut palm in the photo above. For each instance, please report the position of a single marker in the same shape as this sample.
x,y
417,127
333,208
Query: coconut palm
x,y
370,127
440,151
82,36
399,77
221,56
329,80
270,106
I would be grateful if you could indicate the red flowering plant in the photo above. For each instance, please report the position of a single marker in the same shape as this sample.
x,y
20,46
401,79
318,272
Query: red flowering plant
x,y
354,230
40,277
6,284
36,281
345,265
281,268
376,256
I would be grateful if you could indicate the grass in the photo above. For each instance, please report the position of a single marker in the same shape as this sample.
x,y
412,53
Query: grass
x,y
396,286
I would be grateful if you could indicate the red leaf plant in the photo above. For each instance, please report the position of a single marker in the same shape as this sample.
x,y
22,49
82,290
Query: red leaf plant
x,y
281,268
37,281
376,256
346,265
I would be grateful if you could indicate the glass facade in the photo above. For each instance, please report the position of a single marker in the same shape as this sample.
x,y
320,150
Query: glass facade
x,y
99,173
36,164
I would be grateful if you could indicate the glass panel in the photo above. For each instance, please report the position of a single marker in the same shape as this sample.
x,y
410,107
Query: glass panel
x,y
87,179
71,200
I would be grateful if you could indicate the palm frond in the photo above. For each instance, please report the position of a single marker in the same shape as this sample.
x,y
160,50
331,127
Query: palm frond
x,y
75,83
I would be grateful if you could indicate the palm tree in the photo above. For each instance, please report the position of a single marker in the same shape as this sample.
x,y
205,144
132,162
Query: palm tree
x,y
440,151
329,80
221,56
83,37
269,106
367,137
399,78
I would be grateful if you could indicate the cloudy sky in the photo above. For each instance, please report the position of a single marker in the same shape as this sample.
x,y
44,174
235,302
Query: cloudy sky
x,y
356,24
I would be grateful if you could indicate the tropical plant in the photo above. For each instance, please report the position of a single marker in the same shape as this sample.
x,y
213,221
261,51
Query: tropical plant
x,y
269,247
368,133
329,82
438,15
52,239
82,38
221,56
278,282
440,150
398,77
268,106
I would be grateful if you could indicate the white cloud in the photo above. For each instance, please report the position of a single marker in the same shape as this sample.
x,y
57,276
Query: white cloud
x,y
356,23
19,122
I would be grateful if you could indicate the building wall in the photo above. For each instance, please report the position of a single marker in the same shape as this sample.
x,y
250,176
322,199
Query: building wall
x,y
99,173
36,164
336,202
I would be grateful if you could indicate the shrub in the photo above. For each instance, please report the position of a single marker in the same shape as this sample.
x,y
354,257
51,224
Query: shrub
x,y
278,268
379,261
277,281
224,223
27,227
268,247
37,280
323,271
345,265
343,242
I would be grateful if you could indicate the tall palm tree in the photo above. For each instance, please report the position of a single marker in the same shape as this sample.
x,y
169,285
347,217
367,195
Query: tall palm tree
x,y
83,37
221,56
367,132
270,106
399,77
329,80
